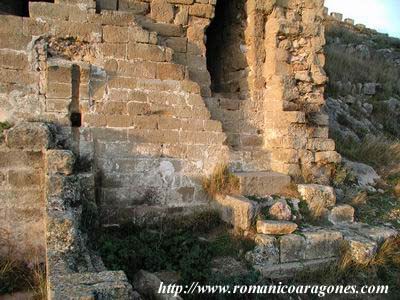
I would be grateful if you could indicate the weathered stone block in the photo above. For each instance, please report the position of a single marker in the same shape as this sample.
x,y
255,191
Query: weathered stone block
x,y
146,52
322,243
13,60
60,162
266,253
292,248
275,227
29,136
238,211
178,44
58,105
169,71
115,34
341,214
318,197
59,90
161,11
280,211
328,157
202,10
262,183
108,4
319,144
24,179
362,250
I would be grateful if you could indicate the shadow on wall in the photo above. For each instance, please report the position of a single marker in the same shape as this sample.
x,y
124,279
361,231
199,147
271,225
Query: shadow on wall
x,y
138,180
17,7
226,53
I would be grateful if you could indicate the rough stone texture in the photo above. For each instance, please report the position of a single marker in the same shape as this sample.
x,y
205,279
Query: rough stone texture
x,y
275,227
280,211
238,211
318,197
289,270
22,163
341,214
262,183
103,285
365,175
228,265
132,97
322,243
266,251
292,248
144,124
147,284
60,161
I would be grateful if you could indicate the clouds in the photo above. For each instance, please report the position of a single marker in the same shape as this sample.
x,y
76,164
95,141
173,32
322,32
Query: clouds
x,y
382,15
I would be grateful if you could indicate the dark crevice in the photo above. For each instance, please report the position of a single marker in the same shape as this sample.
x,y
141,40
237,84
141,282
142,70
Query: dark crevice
x,y
17,7
75,116
226,59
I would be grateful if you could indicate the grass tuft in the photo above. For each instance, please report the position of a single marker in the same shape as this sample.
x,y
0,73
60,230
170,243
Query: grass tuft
x,y
378,152
221,182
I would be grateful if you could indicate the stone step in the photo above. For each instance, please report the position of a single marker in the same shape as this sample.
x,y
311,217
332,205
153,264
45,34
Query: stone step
x,y
163,29
59,11
319,198
255,159
289,270
225,104
275,227
149,97
146,69
262,183
139,158
121,109
152,122
236,210
127,82
149,52
154,136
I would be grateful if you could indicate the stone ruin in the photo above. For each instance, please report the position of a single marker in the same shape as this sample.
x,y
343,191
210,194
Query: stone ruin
x,y
126,105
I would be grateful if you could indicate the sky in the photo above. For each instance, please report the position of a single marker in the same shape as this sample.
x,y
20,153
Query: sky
x,y
382,15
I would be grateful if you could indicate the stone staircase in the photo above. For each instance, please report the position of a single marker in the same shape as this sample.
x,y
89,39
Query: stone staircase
x,y
285,245
262,183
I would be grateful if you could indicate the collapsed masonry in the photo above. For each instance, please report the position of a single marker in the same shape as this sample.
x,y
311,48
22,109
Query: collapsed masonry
x,y
150,96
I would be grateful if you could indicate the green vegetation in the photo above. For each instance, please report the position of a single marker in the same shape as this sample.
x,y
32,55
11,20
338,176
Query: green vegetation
x,y
221,181
16,276
380,209
379,152
346,36
4,126
386,117
182,248
341,66
383,269
345,66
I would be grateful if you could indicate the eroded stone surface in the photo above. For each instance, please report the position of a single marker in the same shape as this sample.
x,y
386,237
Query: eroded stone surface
x,y
275,227
236,210
341,214
318,197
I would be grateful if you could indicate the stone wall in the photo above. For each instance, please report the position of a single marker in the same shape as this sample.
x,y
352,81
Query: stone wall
x,y
128,84
22,192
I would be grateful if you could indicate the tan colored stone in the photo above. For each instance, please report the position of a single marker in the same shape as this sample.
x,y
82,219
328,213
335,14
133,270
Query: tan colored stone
x,y
202,10
115,34
236,210
276,227
162,11
292,248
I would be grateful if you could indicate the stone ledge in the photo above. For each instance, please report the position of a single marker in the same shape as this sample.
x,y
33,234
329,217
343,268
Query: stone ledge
x,y
290,269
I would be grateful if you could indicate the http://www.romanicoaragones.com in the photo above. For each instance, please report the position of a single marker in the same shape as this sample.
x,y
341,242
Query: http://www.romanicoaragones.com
x,y
196,288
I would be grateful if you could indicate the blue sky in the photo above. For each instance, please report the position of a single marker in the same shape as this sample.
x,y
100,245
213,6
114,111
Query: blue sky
x,y
382,15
